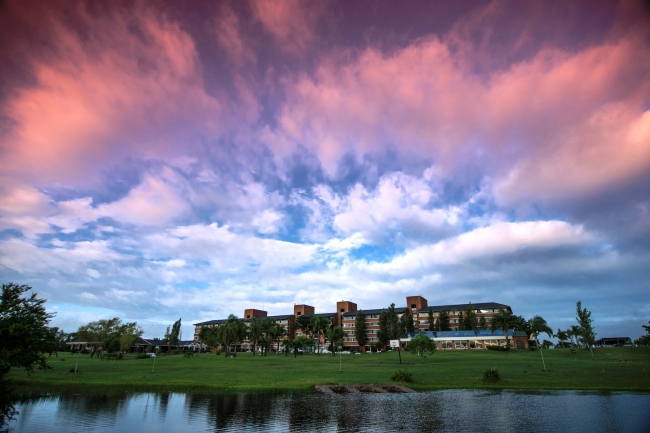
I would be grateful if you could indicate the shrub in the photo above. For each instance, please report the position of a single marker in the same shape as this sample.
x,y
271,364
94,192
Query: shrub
x,y
401,376
491,374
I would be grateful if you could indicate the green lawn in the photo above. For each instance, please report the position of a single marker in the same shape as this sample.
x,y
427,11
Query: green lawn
x,y
445,369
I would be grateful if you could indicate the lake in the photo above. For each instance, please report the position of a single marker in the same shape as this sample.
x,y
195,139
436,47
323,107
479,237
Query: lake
x,y
435,411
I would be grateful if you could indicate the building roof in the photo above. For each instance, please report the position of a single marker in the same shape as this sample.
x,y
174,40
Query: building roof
x,y
616,339
212,322
456,307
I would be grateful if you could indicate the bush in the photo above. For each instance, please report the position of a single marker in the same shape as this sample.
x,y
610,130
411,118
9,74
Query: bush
x,y
491,374
401,376
142,356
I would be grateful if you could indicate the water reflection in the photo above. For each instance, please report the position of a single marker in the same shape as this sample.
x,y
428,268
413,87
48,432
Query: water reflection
x,y
448,411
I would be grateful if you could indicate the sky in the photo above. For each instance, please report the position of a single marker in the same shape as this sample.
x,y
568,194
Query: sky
x,y
163,160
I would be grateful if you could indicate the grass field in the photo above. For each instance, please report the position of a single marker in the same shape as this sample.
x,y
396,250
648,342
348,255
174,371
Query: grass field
x,y
443,370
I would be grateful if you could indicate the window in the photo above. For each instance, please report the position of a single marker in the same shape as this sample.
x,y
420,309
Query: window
x,y
348,325
447,345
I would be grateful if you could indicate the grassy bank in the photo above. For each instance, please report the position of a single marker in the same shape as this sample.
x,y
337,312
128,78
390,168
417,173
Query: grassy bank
x,y
444,370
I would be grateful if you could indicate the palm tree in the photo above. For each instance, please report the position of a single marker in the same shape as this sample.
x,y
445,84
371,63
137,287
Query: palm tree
x,y
209,337
287,344
335,335
538,325
504,320
203,336
231,332
264,326
276,332
318,326
574,331
254,332
562,336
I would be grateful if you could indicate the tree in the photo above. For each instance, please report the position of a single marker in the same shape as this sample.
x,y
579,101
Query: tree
x,y
95,333
461,321
437,325
547,344
505,321
254,332
276,332
208,336
305,342
420,344
232,332
644,340
470,318
335,336
58,340
263,340
574,332
521,324
360,329
319,326
538,326
173,335
444,320
430,319
111,344
562,337
382,334
406,324
25,338
393,323
482,322
583,316
287,345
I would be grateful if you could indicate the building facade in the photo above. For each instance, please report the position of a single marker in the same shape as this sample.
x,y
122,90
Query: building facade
x,y
416,306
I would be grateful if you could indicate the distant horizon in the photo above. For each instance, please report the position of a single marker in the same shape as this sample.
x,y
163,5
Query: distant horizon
x,y
168,159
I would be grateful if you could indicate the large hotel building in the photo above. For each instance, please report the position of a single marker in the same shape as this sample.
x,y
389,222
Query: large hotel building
x,y
417,306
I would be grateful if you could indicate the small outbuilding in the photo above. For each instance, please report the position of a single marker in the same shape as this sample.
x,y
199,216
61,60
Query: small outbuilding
x,y
613,341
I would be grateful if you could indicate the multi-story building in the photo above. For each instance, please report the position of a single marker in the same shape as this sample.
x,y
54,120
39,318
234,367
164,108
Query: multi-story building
x,y
417,306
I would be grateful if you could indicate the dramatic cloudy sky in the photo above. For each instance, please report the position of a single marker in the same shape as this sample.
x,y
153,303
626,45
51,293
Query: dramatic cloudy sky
x,y
182,159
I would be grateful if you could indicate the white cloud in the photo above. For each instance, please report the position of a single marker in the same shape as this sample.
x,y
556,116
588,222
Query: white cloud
x,y
88,296
485,242
399,203
93,273
268,222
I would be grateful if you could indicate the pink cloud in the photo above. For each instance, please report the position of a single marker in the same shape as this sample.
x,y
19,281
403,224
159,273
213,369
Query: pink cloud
x,y
290,22
544,112
115,91
229,36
